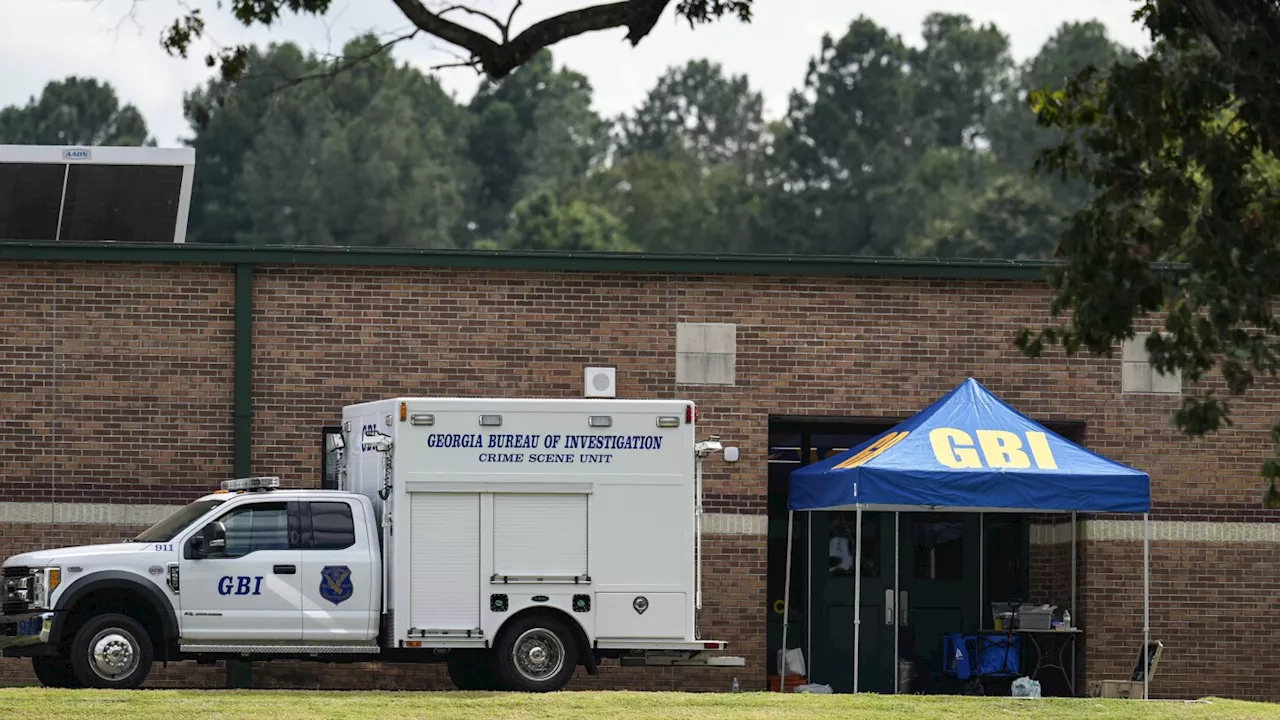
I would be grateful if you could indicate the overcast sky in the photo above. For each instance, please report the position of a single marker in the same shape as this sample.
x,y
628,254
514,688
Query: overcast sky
x,y
118,41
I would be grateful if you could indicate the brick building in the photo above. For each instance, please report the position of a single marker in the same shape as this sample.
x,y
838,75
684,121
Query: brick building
x,y
135,378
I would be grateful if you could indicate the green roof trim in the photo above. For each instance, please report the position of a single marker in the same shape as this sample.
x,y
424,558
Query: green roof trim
x,y
695,264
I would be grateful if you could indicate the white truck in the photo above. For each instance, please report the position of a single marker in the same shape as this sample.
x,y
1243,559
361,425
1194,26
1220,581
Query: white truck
x,y
513,539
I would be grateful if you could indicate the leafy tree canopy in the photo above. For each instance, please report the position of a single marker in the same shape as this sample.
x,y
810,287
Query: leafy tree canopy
x,y
1178,149
74,111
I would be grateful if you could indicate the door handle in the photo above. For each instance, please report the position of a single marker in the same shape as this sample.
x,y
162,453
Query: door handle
x,y
888,607
902,608
284,569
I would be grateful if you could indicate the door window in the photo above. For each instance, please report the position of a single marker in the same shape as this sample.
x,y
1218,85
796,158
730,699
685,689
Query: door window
x,y
251,528
841,544
332,526
939,547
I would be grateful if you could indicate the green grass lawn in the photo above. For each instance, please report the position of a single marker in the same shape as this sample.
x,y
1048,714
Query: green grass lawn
x,y
30,703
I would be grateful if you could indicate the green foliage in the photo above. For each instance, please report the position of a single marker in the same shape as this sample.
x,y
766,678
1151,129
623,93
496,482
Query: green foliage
x,y
543,223
685,165
849,139
697,110
1179,151
534,132
671,203
1011,217
892,150
74,111
373,157
963,71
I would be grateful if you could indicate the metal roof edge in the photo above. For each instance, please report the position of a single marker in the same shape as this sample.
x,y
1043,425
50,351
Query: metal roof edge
x,y
693,263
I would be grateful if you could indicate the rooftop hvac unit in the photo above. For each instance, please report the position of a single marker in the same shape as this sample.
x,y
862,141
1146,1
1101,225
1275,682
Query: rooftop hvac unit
x,y
54,193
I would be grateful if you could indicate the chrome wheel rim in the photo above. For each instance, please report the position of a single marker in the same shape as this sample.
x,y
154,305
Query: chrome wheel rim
x,y
539,655
113,654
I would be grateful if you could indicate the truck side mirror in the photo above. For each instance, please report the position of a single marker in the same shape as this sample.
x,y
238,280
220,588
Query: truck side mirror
x,y
195,547
215,537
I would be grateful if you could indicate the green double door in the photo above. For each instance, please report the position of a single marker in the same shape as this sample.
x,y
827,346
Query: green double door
x,y
938,583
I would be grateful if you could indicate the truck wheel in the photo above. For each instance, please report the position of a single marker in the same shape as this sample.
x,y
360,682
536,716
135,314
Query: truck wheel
x,y
54,672
536,653
471,672
111,651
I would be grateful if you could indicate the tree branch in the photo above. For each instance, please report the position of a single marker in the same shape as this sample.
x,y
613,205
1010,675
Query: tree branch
x,y
347,64
459,64
464,37
638,16
498,59
511,17
478,13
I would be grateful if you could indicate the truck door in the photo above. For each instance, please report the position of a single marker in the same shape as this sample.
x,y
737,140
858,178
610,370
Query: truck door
x,y
252,590
339,585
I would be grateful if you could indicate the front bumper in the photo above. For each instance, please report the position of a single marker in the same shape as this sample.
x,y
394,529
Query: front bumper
x,y
26,634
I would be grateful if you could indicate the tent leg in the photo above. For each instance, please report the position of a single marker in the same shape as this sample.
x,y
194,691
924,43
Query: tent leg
x,y
1073,607
786,603
982,565
857,594
1146,605
808,593
1073,566
897,611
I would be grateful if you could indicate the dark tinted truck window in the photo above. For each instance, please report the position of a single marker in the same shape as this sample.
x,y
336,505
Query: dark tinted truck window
x,y
332,526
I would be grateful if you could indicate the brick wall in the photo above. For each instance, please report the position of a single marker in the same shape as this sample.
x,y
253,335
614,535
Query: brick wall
x,y
119,381
1212,608
116,381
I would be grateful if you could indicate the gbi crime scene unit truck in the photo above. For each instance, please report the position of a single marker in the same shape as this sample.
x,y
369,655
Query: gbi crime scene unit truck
x,y
514,540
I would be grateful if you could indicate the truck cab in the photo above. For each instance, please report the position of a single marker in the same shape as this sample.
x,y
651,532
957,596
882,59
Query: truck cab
x,y
248,565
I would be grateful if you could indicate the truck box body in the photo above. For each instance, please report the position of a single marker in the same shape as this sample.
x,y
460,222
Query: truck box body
x,y
492,506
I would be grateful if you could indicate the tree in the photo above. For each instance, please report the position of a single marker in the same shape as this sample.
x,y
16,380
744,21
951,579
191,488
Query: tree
x,y
228,118
1010,217
673,203
1013,132
1179,147
373,157
848,140
684,170
543,223
531,133
962,71
699,110
496,57
74,111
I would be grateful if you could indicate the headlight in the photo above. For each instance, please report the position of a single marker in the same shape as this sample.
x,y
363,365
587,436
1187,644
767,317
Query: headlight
x,y
43,582
37,595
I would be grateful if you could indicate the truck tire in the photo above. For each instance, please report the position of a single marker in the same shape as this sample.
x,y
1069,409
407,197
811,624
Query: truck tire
x,y
111,651
471,672
535,653
54,672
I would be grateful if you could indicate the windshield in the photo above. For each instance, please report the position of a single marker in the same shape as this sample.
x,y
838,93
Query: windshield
x,y
164,530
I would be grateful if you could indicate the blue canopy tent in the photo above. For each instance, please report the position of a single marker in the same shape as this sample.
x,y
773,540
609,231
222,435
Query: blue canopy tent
x,y
969,452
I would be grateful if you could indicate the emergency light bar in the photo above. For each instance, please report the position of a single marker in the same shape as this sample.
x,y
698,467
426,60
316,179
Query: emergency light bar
x,y
251,483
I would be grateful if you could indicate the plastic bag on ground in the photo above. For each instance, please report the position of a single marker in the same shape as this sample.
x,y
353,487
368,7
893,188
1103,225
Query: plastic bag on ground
x,y
1025,687
793,662
814,688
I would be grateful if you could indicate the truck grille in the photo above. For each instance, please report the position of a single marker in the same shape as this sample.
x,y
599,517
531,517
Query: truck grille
x,y
15,591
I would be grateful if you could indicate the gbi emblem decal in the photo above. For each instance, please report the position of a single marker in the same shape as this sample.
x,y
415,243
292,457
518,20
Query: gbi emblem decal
x,y
335,583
